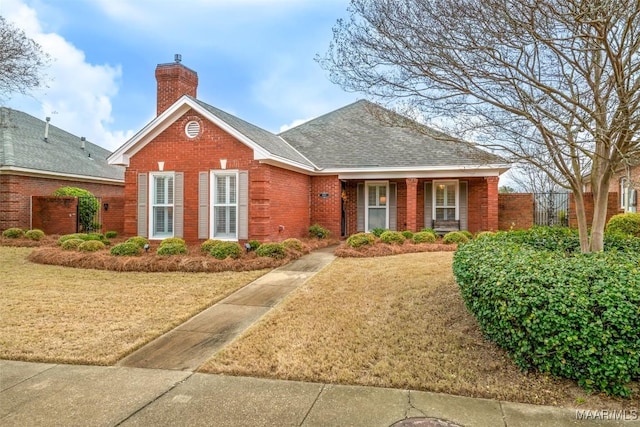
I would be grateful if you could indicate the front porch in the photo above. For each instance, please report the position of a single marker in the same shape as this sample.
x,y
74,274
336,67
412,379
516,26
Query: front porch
x,y
444,204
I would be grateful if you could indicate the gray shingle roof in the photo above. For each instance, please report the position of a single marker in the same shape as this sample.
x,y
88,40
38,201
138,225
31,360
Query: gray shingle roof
x,y
22,145
363,134
265,139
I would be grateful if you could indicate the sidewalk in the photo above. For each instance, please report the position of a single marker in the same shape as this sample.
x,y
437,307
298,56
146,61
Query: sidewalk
x,y
34,394
157,386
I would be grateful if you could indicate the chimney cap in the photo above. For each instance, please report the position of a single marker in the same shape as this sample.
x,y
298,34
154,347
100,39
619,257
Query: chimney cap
x,y
177,58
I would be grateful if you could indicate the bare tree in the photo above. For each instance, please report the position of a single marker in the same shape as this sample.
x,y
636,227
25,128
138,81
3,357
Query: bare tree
x,y
547,82
21,61
531,179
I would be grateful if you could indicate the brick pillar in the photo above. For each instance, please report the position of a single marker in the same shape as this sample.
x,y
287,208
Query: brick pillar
x,y
492,203
412,204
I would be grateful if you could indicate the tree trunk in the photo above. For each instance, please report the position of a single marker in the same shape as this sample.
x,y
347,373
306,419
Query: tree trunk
x,y
600,205
581,217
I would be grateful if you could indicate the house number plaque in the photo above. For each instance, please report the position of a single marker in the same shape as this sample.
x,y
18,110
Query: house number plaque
x,y
323,195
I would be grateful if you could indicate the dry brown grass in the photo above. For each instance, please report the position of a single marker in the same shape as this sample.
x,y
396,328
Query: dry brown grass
x,y
396,322
68,315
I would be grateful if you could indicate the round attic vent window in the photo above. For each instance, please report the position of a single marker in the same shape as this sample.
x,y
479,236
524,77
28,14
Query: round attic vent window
x,y
192,129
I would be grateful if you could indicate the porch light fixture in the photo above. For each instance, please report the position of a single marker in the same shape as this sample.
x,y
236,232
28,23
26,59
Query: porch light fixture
x,y
441,186
383,200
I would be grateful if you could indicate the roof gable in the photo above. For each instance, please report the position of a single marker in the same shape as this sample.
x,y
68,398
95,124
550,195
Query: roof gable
x,y
265,145
23,148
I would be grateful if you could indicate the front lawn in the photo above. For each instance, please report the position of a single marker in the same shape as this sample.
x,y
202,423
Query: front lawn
x,y
396,321
70,315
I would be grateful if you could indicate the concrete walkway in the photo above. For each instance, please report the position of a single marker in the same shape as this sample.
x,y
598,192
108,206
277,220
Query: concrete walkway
x,y
171,394
35,394
191,344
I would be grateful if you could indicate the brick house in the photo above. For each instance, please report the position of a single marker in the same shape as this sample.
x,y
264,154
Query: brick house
x,y
198,172
37,158
627,183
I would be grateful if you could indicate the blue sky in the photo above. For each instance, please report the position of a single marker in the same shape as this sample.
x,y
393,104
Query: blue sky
x,y
254,59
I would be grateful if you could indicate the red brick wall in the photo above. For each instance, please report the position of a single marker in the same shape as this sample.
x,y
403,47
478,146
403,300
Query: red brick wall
x,y
477,201
515,211
326,211
55,215
276,196
613,207
113,217
16,192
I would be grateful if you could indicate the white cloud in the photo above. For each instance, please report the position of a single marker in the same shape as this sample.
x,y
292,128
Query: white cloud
x,y
78,96
293,124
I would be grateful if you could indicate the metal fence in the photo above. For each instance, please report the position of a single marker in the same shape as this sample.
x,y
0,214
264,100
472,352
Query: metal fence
x,y
551,209
89,214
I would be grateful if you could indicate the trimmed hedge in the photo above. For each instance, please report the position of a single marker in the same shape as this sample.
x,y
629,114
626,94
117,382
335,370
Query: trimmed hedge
x,y
126,249
360,239
223,250
392,237
138,240
91,245
424,237
71,244
13,233
172,247
570,314
208,244
455,237
627,224
273,250
293,244
318,231
34,234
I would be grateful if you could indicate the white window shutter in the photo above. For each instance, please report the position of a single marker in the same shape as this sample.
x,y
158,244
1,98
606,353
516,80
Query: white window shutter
x,y
142,205
203,205
360,207
464,210
178,205
428,205
393,206
243,205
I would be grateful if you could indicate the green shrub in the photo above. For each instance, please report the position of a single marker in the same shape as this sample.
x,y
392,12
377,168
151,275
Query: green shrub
x,y
273,250
482,234
318,231
66,237
34,234
360,239
253,245
93,236
424,237
111,234
208,244
627,224
620,242
91,246
392,237
172,248
223,250
570,314
407,234
430,230
138,240
171,240
13,233
87,205
378,232
126,249
71,244
454,237
467,234
294,244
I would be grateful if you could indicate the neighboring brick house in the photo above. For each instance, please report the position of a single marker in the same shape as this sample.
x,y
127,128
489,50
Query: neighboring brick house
x,y
198,172
37,158
627,183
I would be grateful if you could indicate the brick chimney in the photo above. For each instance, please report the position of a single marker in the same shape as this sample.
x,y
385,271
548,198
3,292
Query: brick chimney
x,y
174,80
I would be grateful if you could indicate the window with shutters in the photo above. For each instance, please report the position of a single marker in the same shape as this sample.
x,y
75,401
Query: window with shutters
x,y
623,193
224,205
445,200
376,205
162,205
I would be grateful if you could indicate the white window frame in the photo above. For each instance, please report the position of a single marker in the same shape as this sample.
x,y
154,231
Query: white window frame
x,y
367,186
152,204
623,193
213,204
434,192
